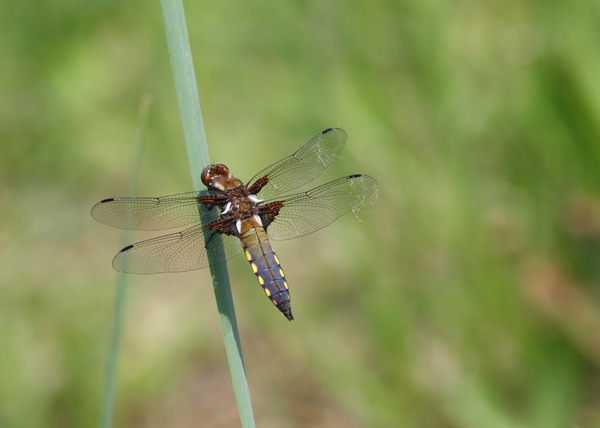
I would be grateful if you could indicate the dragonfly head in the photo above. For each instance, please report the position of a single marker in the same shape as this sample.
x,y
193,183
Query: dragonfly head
x,y
213,176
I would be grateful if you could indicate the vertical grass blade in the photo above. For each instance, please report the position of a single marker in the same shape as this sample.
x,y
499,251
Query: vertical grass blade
x,y
110,381
195,140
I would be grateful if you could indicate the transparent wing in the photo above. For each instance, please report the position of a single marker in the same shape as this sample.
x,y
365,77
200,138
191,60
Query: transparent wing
x,y
142,213
298,215
307,212
304,165
166,212
176,252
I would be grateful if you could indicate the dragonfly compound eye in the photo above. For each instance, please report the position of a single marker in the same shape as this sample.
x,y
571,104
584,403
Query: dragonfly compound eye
x,y
212,172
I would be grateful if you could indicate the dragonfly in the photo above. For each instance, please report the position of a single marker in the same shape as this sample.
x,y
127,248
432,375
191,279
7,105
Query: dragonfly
x,y
249,216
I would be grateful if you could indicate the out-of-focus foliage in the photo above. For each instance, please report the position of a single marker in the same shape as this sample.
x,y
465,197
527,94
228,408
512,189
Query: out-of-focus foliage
x,y
468,295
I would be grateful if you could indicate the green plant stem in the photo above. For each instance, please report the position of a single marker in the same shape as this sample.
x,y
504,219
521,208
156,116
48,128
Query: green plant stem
x,y
110,382
193,128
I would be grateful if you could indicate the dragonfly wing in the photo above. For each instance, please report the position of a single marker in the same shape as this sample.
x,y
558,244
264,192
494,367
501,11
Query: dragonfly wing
x,y
176,252
303,166
303,213
142,213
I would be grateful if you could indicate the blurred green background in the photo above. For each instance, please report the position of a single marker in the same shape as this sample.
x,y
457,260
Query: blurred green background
x,y
469,294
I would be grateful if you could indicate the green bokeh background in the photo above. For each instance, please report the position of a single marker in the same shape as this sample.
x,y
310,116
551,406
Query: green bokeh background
x,y
468,295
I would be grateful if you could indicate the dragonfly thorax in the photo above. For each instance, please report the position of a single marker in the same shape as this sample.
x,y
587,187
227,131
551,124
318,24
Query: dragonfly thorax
x,y
241,203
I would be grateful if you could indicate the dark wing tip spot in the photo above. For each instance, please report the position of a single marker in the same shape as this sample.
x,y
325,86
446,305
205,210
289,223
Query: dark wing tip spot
x,y
355,175
127,248
107,200
327,130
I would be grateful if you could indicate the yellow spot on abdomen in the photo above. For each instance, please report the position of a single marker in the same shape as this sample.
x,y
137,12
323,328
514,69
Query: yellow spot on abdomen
x,y
261,281
268,292
276,259
254,267
281,272
248,255
285,285
274,302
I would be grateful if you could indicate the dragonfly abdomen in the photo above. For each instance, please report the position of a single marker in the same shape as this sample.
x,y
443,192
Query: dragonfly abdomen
x,y
267,269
